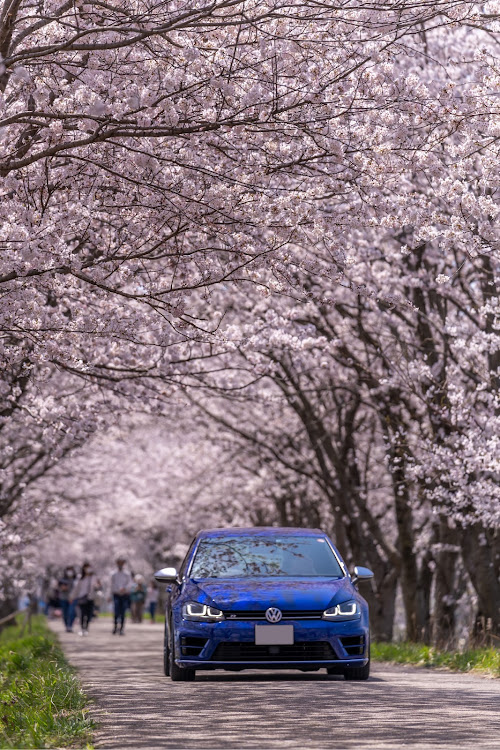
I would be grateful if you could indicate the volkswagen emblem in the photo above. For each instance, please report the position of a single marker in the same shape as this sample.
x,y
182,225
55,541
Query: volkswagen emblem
x,y
273,614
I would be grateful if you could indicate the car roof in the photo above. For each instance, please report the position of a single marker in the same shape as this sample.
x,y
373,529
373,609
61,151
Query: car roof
x,y
259,531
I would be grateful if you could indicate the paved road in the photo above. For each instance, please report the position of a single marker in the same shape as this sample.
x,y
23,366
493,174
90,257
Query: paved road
x,y
137,707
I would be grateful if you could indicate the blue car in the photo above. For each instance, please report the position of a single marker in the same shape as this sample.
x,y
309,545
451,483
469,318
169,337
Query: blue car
x,y
265,598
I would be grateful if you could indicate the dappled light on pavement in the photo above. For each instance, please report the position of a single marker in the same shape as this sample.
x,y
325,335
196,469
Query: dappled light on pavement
x,y
137,707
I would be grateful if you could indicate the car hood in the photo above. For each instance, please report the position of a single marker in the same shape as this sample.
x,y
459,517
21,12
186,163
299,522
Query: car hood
x,y
253,594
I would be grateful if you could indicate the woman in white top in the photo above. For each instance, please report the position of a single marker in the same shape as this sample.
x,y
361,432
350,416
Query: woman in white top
x,y
83,595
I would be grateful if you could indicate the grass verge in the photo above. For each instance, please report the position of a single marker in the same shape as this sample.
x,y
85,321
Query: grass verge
x,y
41,702
482,660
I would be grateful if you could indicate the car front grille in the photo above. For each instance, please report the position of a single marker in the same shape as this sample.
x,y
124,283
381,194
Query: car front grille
x,y
301,651
354,645
287,614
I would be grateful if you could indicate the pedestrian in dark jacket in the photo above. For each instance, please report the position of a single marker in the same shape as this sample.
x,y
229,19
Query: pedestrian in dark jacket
x,y
121,583
66,585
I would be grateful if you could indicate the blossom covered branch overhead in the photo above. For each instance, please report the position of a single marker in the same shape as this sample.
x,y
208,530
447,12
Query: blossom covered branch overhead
x,y
153,150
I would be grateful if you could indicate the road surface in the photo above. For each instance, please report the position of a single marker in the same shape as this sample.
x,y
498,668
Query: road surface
x,y
399,707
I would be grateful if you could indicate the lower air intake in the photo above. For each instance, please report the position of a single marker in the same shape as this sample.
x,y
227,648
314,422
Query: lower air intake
x,y
354,645
192,646
305,651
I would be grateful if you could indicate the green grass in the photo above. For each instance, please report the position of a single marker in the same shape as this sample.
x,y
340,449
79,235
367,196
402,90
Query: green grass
x,y
41,702
482,660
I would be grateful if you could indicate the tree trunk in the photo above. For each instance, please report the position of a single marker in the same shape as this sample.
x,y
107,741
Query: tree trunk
x,y
415,583
448,585
410,578
8,605
381,598
426,575
481,554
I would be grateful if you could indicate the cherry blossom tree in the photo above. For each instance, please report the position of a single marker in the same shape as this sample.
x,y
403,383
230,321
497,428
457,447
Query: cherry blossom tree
x,y
141,489
44,416
150,150
339,395
260,200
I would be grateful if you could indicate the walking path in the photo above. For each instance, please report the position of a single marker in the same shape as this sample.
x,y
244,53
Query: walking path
x,y
137,707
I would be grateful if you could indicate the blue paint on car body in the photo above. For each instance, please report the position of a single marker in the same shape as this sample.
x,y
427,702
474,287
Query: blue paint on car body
x,y
216,608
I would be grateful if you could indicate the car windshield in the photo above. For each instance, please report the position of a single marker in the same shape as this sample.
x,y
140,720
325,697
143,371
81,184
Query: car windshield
x,y
264,556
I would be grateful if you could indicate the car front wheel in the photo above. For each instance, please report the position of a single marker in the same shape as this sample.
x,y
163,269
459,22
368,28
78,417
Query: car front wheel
x,y
357,673
177,674
166,658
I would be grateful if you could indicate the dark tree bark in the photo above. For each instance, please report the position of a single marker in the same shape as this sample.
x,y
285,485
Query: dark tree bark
x,y
355,524
8,605
415,597
449,584
481,554
426,576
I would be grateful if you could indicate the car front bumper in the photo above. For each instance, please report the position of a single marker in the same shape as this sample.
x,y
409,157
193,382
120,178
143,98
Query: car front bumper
x,y
231,645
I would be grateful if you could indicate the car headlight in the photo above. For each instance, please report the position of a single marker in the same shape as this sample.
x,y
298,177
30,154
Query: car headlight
x,y
197,611
345,611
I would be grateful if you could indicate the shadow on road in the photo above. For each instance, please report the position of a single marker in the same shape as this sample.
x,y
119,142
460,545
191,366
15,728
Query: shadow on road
x,y
272,677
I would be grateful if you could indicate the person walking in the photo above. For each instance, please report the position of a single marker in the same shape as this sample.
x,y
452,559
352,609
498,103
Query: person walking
x,y
121,583
83,595
53,602
66,584
137,598
152,599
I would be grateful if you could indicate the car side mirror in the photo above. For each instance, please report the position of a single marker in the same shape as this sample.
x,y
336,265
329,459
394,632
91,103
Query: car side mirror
x,y
166,575
361,574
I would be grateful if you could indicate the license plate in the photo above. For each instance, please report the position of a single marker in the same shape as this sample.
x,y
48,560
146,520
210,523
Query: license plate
x,y
274,635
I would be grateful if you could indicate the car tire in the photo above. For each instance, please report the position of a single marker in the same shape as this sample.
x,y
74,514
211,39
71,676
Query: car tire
x,y
335,670
357,673
166,657
177,674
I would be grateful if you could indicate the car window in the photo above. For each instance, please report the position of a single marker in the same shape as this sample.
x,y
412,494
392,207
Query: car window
x,y
186,559
244,557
